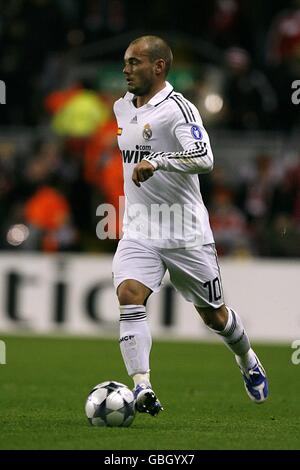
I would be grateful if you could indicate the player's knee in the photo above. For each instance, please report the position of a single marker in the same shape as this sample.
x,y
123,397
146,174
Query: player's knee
x,y
129,294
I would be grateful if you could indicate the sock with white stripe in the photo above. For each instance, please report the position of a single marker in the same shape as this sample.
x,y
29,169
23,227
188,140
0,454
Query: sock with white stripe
x,y
237,340
135,341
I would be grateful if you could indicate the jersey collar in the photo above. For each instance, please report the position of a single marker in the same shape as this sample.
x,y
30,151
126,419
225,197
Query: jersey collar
x,y
156,99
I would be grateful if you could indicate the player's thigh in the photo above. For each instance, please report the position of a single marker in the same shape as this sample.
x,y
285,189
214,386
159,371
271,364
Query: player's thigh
x,y
195,273
138,262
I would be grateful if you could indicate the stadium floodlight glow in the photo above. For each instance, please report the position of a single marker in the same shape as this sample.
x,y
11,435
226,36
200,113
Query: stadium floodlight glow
x,y
213,103
17,234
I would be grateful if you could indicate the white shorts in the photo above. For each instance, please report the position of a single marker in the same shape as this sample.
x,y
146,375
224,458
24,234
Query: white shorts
x,y
194,272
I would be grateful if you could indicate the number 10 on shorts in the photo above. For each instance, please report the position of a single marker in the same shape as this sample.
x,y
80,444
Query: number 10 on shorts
x,y
214,289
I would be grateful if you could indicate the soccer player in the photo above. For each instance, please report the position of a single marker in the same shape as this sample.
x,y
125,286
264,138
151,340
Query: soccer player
x,y
166,226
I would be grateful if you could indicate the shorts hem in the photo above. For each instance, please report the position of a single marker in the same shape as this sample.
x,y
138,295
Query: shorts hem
x,y
134,278
207,305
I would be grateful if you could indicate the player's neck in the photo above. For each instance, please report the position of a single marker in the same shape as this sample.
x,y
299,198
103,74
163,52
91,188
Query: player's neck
x,y
141,100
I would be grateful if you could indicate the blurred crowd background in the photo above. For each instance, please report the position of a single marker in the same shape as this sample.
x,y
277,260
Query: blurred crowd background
x,y
61,61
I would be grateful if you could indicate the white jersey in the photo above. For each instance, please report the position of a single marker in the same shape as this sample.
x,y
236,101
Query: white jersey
x,y
167,210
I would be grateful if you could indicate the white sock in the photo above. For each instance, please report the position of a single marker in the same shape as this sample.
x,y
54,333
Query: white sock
x,y
135,340
236,339
248,360
141,379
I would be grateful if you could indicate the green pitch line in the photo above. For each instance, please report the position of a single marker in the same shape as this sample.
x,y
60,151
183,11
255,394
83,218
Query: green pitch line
x,y
45,383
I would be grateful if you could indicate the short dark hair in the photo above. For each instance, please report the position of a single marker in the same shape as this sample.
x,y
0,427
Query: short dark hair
x,y
158,49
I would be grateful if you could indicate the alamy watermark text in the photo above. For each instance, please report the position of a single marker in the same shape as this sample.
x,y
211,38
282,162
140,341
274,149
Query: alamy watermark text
x,y
2,92
296,94
2,352
295,358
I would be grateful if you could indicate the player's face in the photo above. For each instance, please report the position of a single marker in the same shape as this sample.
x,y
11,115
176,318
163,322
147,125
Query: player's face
x,y
138,69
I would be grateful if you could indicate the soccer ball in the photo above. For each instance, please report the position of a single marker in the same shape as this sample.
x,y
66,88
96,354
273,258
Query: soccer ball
x,y
110,404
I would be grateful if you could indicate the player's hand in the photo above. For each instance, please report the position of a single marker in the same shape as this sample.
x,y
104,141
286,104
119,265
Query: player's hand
x,y
142,172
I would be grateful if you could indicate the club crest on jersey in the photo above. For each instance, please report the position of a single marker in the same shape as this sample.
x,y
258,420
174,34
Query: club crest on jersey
x,y
196,132
147,132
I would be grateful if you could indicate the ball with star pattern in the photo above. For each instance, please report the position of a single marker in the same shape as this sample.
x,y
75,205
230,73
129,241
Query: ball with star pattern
x,y
111,404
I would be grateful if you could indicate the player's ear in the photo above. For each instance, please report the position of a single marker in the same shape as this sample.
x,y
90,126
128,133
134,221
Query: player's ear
x,y
160,66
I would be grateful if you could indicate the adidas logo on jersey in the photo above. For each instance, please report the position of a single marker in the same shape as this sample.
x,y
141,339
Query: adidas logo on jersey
x,y
134,120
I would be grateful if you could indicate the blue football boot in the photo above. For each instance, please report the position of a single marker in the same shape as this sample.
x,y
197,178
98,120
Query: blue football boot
x,y
256,382
145,400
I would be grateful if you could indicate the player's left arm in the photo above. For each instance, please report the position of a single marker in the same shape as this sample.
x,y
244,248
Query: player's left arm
x,y
195,157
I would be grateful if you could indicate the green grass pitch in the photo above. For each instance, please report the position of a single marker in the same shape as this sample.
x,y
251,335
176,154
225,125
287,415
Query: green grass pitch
x,y
45,383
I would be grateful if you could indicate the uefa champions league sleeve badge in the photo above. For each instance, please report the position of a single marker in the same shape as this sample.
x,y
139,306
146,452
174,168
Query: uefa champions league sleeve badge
x,y
196,132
